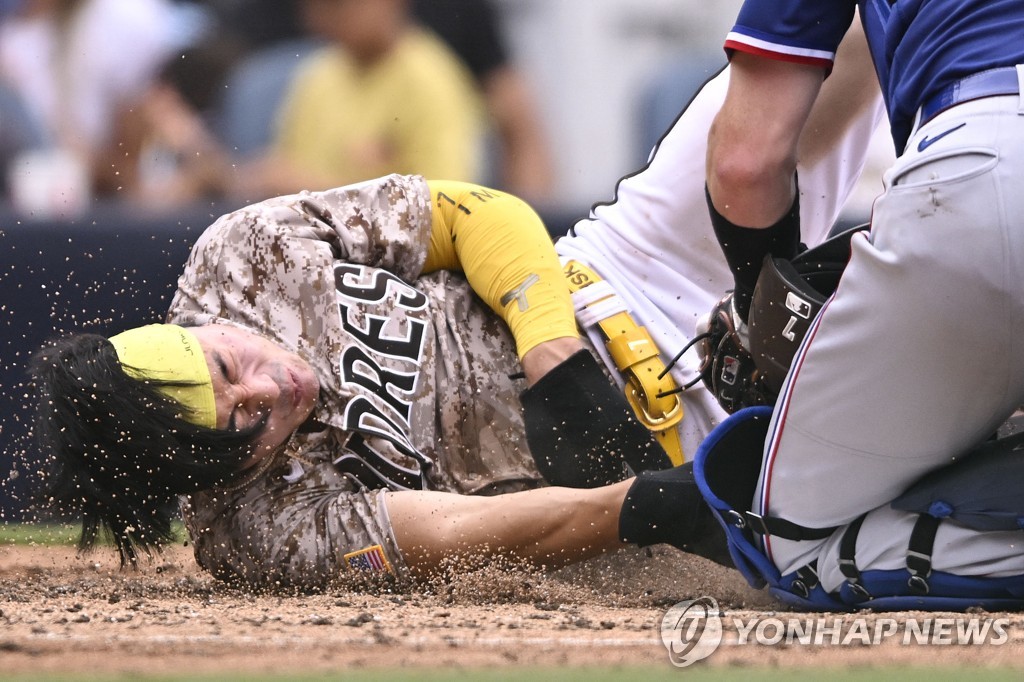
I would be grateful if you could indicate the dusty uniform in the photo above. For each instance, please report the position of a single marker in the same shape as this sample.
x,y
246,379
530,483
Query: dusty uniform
x,y
416,387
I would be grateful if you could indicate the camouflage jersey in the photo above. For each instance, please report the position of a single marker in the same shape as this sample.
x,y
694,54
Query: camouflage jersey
x,y
418,379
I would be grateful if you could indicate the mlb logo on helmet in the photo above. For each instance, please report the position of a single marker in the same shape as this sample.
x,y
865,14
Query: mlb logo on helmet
x,y
798,305
730,370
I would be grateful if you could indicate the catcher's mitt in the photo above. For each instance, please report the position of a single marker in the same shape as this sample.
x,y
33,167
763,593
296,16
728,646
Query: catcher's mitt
x,y
745,366
727,367
787,298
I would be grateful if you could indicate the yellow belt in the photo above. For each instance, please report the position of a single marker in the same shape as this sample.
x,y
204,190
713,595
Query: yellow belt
x,y
650,390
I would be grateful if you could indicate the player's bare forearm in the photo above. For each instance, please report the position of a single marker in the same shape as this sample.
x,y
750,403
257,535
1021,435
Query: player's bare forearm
x,y
752,144
548,526
545,356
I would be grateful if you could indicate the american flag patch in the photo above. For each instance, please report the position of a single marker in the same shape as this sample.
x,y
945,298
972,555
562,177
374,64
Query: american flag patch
x,y
369,559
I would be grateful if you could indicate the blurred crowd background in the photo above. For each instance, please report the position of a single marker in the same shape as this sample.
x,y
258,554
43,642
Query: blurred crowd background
x,y
156,104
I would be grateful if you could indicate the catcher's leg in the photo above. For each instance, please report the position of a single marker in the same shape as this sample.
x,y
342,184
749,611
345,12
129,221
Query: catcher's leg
x,y
951,542
915,359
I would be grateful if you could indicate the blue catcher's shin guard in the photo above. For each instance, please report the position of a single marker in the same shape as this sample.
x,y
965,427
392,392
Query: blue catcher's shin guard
x,y
980,492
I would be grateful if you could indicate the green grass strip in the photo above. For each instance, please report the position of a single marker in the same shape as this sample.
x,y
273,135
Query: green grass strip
x,y
56,534
39,534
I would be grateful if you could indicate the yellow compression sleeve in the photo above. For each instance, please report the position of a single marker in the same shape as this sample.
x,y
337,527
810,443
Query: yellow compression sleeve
x,y
506,253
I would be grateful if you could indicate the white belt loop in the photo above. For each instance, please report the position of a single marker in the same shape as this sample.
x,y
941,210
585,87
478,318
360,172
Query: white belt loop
x,y
602,310
913,128
917,121
1020,83
592,293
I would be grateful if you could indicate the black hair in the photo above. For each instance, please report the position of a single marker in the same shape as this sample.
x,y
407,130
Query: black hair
x,y
118,450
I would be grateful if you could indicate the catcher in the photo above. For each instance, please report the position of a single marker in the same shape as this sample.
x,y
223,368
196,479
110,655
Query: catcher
x,y
873,483
380,375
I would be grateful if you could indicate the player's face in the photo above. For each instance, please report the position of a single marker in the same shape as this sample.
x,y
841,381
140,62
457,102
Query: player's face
x,y
254,379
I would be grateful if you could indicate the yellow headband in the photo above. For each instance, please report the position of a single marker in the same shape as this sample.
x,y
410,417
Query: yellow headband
x,y
167,352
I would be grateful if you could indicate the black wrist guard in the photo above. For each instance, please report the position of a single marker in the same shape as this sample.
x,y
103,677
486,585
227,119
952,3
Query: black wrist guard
x,y
745,248
580,429
667,507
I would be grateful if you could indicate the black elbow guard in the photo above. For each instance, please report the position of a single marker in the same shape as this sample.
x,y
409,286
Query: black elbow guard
x,y
581,431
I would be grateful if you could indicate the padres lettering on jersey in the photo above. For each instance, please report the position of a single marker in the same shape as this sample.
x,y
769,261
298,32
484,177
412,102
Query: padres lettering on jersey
x,y
382,369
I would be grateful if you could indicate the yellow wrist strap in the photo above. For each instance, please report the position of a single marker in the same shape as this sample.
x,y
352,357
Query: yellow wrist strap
x,y
506,253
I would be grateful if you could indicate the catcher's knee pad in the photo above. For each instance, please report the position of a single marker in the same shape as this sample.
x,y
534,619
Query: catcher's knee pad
x,y
981,490
980,494
581,431
727,467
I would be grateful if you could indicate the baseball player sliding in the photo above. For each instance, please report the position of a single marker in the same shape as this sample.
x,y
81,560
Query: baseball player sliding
x,y
914,361
382,375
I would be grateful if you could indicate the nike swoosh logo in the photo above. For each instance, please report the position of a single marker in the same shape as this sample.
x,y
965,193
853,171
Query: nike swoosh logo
x,y
929,141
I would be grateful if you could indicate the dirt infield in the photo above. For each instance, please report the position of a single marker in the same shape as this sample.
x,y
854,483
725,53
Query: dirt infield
x,y
60,613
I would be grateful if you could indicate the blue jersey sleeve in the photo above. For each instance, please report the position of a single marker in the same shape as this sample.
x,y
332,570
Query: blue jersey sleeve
x,y
801,31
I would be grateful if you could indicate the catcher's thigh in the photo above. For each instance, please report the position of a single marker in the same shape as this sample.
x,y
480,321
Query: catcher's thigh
x,y
916,358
